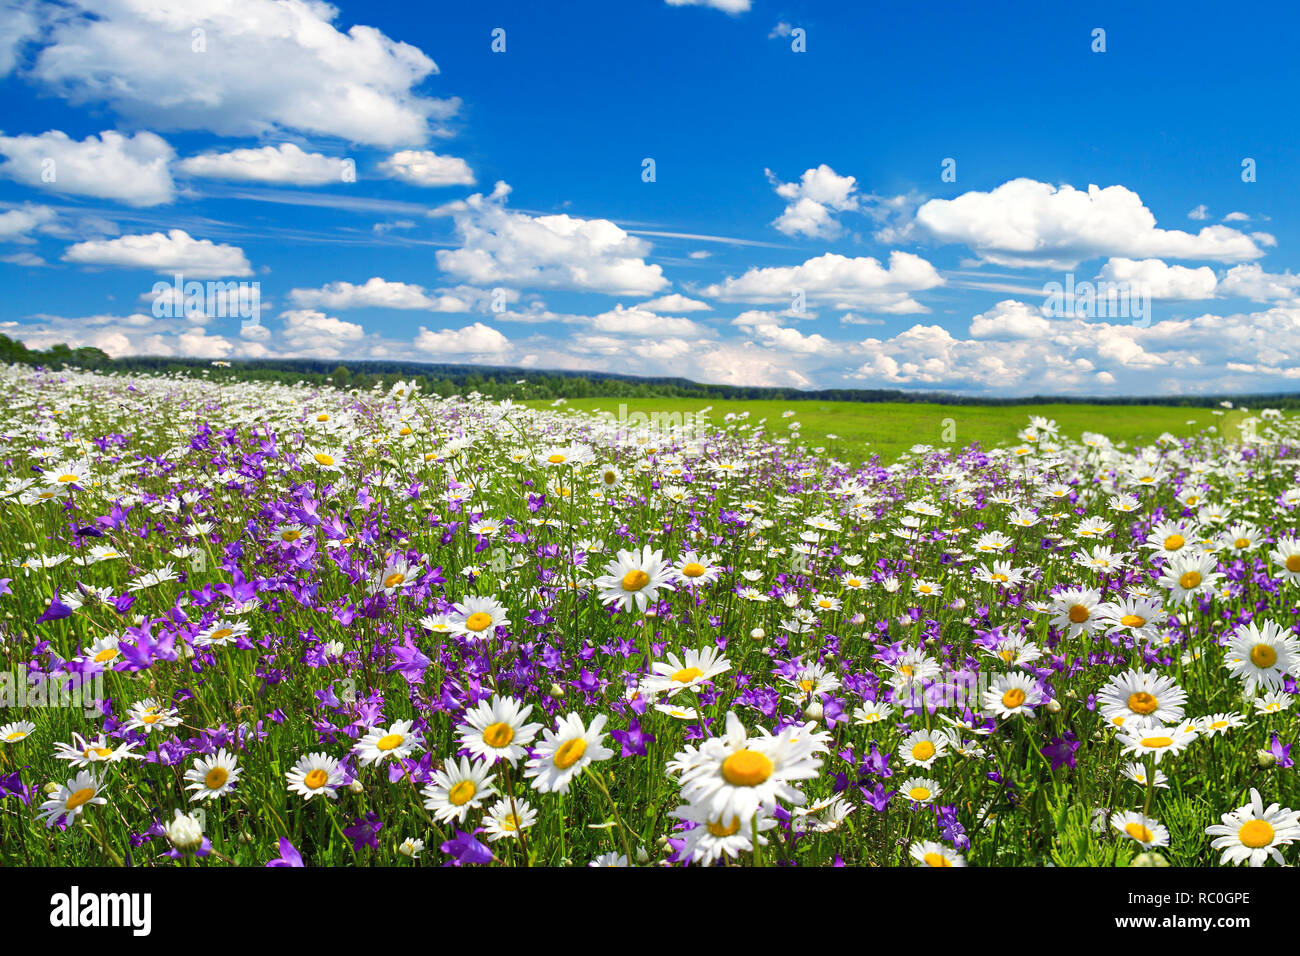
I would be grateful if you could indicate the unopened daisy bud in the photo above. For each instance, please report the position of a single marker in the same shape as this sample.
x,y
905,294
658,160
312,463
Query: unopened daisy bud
x,y
184,832
651,612
50,788
814,710
642,856
556,691
959,604
1265,758
356,787
244,837
857,620
758,634
663,844
1149,859
1053,706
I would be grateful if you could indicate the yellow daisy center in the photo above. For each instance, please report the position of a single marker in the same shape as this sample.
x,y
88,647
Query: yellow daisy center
x,y
1241,543
323,459
923,750
290,535
1013,698
570,752
462,793
316,779
107,654
919,793
1079,613
556,459
478,621
1157,743
220,634
1138,832
693,570
1293,564
86,793
1174,542
394,579
719,830
936,859
498,735
747,768
1132,620
635,580
388,742
1190,580
216,778
687,674
1142,702
1263,655
1255,834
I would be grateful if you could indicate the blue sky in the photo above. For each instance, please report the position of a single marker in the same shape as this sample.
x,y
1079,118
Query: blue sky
x,y
395,188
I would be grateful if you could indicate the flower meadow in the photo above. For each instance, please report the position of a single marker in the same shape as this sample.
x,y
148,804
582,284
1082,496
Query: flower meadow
x,y
262,625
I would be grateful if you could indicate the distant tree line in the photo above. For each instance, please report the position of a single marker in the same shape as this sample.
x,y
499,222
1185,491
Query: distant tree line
x,y
498,382
56,356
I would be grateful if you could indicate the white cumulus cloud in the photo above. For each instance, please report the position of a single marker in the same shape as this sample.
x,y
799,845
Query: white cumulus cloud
x,y
174,251
285,163
501,247
240,68
424,168
1028,223
837,280
1159,280
813,201
128,169
476,339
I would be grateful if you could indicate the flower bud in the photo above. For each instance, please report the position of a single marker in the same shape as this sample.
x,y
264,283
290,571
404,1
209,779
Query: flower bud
x,y
758,634
556,691
1265,758
184,832
814,710
1149,859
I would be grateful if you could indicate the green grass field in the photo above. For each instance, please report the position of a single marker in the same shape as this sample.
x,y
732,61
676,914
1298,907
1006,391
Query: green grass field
x,y
857,430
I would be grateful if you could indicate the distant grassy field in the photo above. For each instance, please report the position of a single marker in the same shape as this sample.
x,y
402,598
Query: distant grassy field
x,y
857,430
